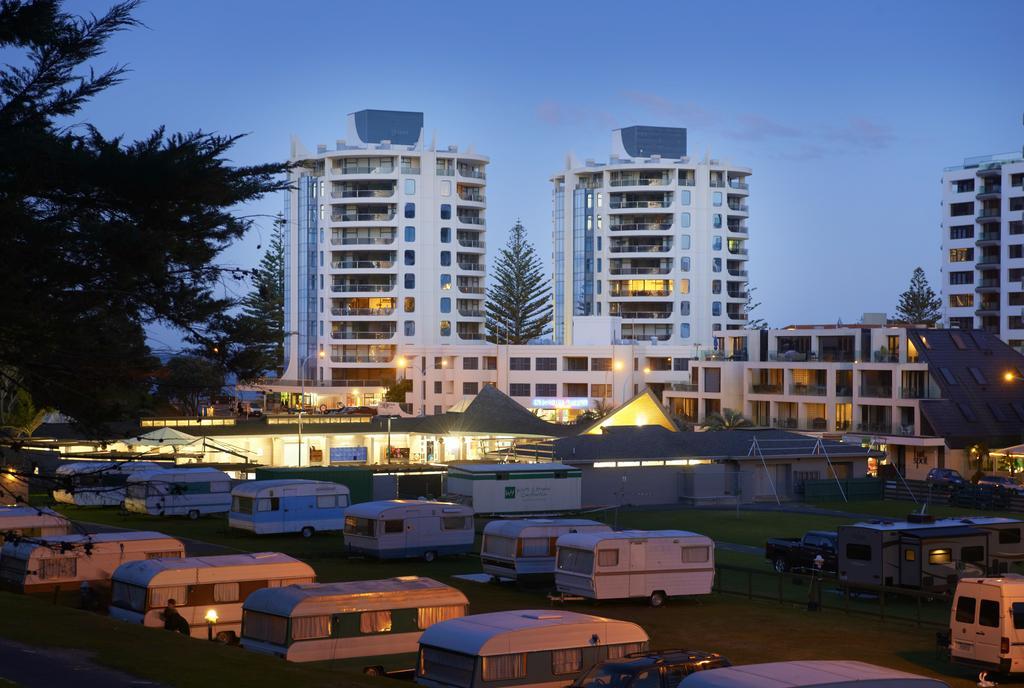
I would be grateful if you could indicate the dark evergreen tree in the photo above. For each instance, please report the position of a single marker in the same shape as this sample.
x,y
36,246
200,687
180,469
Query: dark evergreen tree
x,y
262,311
918,304
102,237
749,307
519,299
185,381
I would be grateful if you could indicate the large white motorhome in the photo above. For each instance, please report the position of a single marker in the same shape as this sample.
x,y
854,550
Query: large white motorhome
x,y
986,624
96,483
65,561
656,564
30,521
925,553
191,492
525,648
524,549
404,528
808,674
200,585
315,622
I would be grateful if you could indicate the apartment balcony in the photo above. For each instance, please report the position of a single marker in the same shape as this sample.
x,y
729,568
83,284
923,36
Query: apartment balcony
x,y
409,169
737,294
471,289
643,315
988,262
814,424
918,393
359,312
844,391
366,334
644,335
652,270
987,285
876,391
624,247
363,287
472,196
362,264
640,226
682,386
638,180
988,215
989,191
362,241
739,253
362,358
717,183
875,428
363,194
638,202
363,217
990,170
766,388
738,185
736,228
803,390
471,336
380,168
471,267
685,180
473,244
739,207
471,220
471,312
987,309
737,273
472,172
885,356
736,315
988,238
444,168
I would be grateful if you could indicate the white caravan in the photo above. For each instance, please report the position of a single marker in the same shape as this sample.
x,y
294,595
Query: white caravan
x,y
65,561
288,506
191,492
311,623
30,521
202,588
808,674
97,483
524,549
403,528
656,564
525,648
986,624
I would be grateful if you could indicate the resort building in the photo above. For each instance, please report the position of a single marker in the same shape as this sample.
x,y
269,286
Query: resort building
x,y
983,246
653,237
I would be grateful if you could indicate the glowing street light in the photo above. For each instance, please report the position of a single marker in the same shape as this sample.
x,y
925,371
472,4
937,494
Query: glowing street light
x,y
211,620
617,365
1010,377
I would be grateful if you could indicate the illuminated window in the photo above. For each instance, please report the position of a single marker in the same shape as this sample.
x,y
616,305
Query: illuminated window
x,y
446,328
961,300
684,286
940,556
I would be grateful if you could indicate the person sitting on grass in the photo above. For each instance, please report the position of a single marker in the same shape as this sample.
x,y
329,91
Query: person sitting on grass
x,y
173,621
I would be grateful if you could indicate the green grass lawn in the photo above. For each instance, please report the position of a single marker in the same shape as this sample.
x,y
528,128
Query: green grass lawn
x,y
899,509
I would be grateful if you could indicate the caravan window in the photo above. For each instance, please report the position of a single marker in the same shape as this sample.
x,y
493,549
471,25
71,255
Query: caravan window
x,y
265,627
428,616
222,486
241,505
127,596
858,552
455,523
63,567
308,627
940,556
158,596
575,560
972,554
375,622
695,555
504,667
358,526
1017,609
536,547
965,610
607,557
499,546
616,651
225,592
394,526
566,661
175,554
272,504
449,667
988,613
327,501
1009,536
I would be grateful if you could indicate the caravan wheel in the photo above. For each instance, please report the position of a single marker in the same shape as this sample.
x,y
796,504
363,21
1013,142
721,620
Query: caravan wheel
x,y
307,532
429,556
657,598
193,514
373,670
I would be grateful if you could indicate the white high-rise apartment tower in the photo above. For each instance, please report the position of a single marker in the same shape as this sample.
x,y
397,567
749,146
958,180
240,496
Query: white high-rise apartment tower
x,y
983,246
385,249
653,238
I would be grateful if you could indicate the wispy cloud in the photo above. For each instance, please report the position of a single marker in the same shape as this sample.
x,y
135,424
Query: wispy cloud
x,y
754,127
863,133
687,111
556,114
550,112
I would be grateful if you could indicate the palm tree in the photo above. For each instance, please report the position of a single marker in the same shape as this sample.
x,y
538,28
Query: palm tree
x,y
726,420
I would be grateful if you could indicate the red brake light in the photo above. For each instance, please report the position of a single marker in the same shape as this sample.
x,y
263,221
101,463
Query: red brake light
x,y
1004,646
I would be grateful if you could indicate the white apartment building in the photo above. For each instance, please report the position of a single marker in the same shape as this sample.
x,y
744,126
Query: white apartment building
x,y
385,249
653,237
983,246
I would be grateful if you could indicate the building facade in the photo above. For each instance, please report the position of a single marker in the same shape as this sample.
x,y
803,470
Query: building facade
x,y
983,246
385,241
653,238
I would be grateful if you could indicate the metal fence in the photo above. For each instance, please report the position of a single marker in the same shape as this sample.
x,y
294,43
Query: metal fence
x,y
821,592
968,496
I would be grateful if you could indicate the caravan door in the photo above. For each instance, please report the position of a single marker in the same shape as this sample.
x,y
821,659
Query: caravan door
x,y
637,565
289,513
988,631
910,563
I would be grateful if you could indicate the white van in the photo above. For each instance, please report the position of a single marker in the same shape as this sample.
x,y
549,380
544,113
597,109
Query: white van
x,y
315,622
525,648
191,492
655,564
808,674
30,521
986,624
403,528
201,587
96,483
66,561
524,549
288,506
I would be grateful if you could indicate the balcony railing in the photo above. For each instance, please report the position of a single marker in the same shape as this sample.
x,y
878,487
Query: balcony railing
x,y
844,391
885,356
738,273
738,251
469,289
362,217
471,173
471,220
472,198
988,236
990,189
877,428
365,169
641,248
639,315
640,271
362,311
988,260
471,336
478,267
618,205
638,181
362,287
624,293
472,243
363,193
766,388
917,393
410,169
717,184
687,181
364,358
362,241
876,391
362,264
739,207
682,386
471,312
738,229
986,213
807,390
733,184
640,226
362,335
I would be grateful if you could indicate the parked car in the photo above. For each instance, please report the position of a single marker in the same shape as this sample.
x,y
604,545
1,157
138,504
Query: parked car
x,y
255,410
945,477
799,554
358,411
654,669
1002,482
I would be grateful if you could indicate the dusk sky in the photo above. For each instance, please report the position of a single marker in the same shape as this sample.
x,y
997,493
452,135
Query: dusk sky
x,y
847,112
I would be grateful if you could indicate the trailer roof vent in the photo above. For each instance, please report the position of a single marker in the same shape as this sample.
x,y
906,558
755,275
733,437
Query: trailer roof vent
x,y
541,616
920,518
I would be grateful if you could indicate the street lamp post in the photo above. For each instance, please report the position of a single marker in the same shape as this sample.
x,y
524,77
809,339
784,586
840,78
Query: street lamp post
x,y
302,397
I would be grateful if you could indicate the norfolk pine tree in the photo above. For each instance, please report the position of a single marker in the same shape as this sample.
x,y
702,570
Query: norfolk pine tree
x,y
919,304
519,300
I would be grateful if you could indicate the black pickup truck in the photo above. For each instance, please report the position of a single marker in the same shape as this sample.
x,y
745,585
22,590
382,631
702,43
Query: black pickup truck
x,y
798,554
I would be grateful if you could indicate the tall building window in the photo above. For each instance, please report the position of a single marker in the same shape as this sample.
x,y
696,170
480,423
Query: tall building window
x,y
684,308
716,286
410,210
962,277
716,199
469,388
716,220
519,389
410,187
410,304
684,242
410,280
446,235
446,188
446,304
684,197
684,330
446,282
716,265
961,300
716,243
961,255
598,243
446,328
410,257
684,263
410,328
599,264
446,258
410,234
684,220
716,308
684,286
961,232
600,199
446,211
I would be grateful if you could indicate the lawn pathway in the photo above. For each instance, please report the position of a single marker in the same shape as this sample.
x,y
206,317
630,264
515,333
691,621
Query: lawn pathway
x,y
37,667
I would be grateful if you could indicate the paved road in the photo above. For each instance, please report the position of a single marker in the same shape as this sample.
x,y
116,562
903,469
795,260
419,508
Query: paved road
x,y
36,667
193,548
